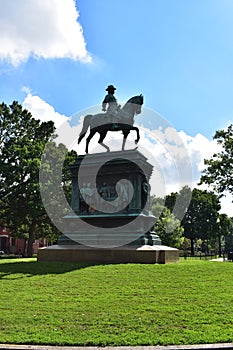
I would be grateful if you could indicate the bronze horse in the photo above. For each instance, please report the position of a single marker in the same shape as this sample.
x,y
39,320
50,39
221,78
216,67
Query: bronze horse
x,y
103,122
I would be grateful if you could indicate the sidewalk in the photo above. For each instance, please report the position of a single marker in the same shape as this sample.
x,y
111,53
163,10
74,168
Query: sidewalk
x,y
169,347
219,259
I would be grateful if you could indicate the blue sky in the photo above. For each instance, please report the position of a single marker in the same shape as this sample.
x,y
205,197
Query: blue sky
x,y
60,55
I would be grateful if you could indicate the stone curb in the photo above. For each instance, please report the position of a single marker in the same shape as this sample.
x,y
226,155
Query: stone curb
x,y
169,347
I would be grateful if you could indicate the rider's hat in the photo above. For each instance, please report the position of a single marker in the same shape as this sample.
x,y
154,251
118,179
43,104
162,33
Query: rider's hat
x,y
110,87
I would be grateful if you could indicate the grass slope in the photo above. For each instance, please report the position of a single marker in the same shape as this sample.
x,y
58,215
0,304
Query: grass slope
x,y
132,304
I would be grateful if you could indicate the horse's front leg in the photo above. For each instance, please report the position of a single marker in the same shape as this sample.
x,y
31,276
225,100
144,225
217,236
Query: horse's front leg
x,y
105,146
102,137
138,135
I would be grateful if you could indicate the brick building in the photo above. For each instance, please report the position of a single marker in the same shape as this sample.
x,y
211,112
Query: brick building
x,y
14,245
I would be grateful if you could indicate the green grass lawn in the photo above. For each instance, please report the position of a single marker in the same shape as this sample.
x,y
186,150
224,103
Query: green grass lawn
x,y
132,304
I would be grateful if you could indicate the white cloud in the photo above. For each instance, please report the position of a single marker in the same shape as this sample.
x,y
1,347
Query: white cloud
x,y
46,29
199,148
42,110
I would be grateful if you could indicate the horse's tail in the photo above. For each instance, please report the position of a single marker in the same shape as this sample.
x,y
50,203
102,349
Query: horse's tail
x,y
86,124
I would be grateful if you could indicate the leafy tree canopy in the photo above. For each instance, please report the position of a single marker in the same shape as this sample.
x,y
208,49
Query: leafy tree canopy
x,y
201,216
167,227
219,170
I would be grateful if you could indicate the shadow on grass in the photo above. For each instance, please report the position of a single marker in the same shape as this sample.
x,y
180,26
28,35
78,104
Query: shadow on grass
x,y
33,268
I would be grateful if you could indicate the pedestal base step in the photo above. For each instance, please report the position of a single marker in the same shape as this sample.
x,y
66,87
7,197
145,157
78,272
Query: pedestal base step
x,y
77,253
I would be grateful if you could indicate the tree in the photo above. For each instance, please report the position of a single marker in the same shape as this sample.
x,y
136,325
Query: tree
x,y
229,238
178,202
55,181
22,144
219,171
224,227
167,227
200,220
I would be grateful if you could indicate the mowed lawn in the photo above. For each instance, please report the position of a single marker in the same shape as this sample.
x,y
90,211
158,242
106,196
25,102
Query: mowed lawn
x,y
130,304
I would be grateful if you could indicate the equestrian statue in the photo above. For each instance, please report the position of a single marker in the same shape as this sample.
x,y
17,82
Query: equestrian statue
x,y
115,119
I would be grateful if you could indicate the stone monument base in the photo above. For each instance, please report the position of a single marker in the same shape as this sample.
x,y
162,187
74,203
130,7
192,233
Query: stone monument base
x,y
145,254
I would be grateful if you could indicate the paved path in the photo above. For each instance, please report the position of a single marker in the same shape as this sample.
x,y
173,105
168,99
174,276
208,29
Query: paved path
x,y
170,347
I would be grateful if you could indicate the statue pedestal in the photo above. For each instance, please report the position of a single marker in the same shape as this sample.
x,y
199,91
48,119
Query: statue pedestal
x,y
120,231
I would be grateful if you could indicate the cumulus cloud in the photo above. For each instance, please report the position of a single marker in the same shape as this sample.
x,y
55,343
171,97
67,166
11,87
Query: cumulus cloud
x,y
42,110
43,29
199,148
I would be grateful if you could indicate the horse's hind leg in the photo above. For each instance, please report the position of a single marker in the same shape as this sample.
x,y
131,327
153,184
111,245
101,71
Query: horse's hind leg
x,y
92,133
124,140
102,137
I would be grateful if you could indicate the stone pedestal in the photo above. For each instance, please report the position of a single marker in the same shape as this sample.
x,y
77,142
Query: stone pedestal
x,y
110,220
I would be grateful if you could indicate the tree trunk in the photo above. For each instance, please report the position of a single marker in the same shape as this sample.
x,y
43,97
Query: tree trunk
x,y
31,237
192,246
219,245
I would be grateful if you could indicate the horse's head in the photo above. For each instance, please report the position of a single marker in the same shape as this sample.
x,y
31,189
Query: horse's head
x,y
136,102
